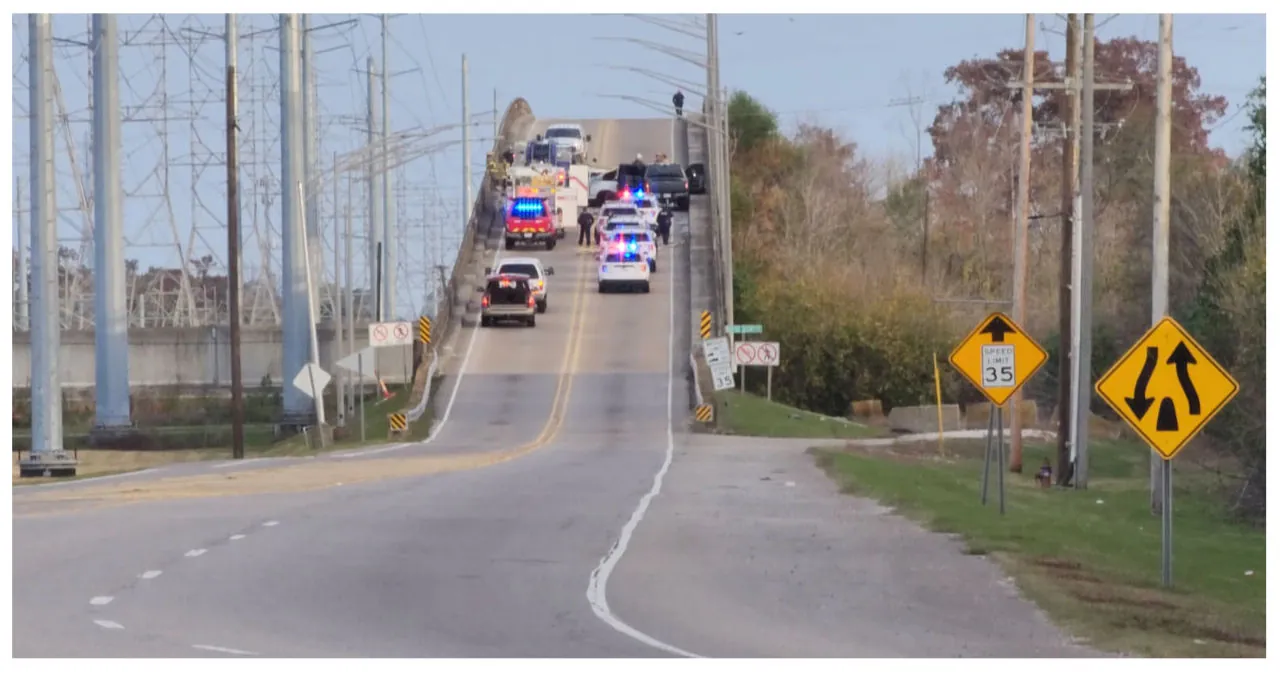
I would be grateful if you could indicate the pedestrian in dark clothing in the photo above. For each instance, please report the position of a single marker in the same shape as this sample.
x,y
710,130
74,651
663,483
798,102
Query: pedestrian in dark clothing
x,y
509,156
585,221
678,99
664,226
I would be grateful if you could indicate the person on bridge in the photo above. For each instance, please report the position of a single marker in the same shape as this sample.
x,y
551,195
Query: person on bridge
x,y
639,162
664,226
585,221
509,156
678,100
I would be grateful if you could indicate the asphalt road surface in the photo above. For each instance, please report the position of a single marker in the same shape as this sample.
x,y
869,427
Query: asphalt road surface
x,y
558,510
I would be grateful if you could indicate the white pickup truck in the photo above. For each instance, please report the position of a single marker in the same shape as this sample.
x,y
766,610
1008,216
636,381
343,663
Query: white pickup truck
x,y
569,135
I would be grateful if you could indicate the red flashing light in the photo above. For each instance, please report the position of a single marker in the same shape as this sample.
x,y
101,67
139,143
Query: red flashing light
x,y
484,302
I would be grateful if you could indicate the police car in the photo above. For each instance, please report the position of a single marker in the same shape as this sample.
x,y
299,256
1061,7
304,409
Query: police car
x,y
637,237
622,266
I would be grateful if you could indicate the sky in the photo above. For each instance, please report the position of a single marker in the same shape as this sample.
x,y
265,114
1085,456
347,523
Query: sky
x,y
839,71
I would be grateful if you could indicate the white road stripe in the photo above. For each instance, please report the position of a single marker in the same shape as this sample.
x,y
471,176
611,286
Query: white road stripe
x,y
109,625
236,537
82,481
597,587
195,552
150,574
224,650
439,424
271,523
101,600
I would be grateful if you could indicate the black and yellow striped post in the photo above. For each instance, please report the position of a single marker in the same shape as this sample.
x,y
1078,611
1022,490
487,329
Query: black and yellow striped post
x,y
703,413
705,325
399,424
424,330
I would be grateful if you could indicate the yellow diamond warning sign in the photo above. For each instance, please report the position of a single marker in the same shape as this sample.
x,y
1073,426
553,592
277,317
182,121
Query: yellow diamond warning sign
x,y
998,357
1167,387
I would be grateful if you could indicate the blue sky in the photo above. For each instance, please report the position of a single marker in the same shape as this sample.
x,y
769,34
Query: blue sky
x,y
838,71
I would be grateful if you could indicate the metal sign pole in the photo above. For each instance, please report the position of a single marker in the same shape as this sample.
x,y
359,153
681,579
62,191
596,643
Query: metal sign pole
x,y
1000,454
768,384
986,457
1166,525
360,377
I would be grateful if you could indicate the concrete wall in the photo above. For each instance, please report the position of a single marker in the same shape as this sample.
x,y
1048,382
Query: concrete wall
x,y
198,357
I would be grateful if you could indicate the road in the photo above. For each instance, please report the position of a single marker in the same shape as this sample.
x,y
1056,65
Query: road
x,y
559,510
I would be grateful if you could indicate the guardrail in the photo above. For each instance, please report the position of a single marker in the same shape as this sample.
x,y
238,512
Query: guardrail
x,y
515,124
414,413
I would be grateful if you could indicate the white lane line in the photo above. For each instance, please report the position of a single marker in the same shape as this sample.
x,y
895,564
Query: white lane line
x,y
150,574
597,587
271,523
236,537
109,625
101,600
438,426
224,650
82,481
195,552
242,462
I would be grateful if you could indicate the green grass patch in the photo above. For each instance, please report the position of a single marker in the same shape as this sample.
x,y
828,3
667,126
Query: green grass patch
x,y
1090,558
748,415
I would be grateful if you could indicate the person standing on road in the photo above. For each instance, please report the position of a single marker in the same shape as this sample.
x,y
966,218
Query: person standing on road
x,y
585,221
664,226
678,100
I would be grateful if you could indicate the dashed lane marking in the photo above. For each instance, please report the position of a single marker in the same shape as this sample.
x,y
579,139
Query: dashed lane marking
x,y
101,600
150,574
236,537
224,650
109,625
195,553
271,523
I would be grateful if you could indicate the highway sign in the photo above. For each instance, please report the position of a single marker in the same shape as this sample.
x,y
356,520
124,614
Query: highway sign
x,y
745,329
1167,387
716,350
998,357
305,377
424,329
722,376
756,354
704,328
390,334
353,362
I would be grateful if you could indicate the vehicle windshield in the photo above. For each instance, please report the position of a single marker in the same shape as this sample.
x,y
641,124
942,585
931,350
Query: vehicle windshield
x,y
527,269
620,211
665,171
563,133
615,224
616,257
645,204
508,291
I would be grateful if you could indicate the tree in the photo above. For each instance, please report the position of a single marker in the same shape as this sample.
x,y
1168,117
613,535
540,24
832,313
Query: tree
x,y
750,122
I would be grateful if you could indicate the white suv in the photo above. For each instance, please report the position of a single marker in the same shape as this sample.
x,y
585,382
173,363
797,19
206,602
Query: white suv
x,y
620,268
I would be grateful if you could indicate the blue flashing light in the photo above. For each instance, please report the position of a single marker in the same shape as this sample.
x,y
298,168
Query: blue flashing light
x,y
527,208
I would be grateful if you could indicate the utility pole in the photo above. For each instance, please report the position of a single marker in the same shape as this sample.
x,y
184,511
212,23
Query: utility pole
x,y
336,304
46,326
375,192
310,158
233,243
111,314
348,263
388,204
297,300
21,317
719,106
1070,173
1082,285
466,150
1020,240
1161,474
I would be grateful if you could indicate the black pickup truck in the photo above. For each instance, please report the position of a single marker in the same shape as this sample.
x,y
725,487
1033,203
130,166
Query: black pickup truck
x,y
668,184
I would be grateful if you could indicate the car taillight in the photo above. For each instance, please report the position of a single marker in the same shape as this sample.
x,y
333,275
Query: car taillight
x,y
686,185
484,302
646,187
531,300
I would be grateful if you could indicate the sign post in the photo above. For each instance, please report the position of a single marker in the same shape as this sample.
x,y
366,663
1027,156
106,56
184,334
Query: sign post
x,y
1167,387
997,357
765,354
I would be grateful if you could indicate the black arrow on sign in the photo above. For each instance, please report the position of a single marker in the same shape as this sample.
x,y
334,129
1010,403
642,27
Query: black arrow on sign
x,y
1141,403
1180,359
997,328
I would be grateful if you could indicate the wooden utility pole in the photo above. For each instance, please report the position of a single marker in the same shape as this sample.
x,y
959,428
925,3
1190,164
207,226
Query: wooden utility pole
x,y
233,247
1020,243
1070,179
1160,219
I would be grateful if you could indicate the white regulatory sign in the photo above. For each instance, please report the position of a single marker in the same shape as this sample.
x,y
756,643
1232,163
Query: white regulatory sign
x,y
756,354
722,376
716,350
997,366
390,334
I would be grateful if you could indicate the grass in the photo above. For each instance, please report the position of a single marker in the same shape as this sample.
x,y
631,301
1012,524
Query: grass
x,y
1091,558
748,415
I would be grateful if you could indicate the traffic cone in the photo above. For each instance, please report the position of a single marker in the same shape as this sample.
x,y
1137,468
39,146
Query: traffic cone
x,y
382,387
